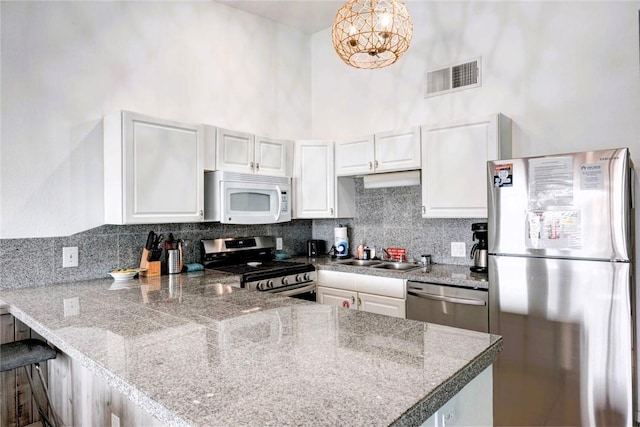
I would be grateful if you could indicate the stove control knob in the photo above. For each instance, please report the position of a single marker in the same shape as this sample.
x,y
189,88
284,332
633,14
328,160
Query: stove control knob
x,y
269,284
285,280
260,286
306,276
299,278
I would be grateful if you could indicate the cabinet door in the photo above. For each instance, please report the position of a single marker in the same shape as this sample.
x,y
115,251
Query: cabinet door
x,y
454,166
337,297
163,170
234,151
209,163
355,156
380,285
394,307
273,156
397,150
314,180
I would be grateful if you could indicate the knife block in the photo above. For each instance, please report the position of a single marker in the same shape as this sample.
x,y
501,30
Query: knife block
x,y
149,268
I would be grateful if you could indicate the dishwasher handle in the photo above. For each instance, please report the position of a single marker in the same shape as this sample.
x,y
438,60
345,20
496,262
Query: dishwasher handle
x,y
465,301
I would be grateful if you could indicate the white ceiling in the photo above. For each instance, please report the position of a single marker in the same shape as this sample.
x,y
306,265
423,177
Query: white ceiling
x,y
309,16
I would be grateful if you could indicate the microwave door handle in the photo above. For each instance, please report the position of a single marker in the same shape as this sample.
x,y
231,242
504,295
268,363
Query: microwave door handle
x,y
279,202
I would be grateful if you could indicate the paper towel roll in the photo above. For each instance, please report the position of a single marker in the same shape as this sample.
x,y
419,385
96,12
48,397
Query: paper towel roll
x,y
341,241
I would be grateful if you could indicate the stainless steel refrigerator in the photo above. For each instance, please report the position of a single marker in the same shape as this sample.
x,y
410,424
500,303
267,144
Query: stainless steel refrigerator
x,y
561,289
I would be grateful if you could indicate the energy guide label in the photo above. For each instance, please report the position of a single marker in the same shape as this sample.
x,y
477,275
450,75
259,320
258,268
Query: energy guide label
x,y
592,176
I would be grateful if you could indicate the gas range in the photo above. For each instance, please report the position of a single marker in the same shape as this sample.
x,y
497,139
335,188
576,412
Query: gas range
x,y
253,259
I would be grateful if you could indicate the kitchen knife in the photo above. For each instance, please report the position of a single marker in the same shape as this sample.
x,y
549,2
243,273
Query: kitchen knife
x,y
149,244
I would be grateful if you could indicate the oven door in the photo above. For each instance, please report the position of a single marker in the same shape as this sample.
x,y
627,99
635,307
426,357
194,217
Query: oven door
x,y
305,291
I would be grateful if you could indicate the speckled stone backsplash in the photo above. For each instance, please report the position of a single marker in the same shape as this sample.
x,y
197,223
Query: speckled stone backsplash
x,y
392,217
31,262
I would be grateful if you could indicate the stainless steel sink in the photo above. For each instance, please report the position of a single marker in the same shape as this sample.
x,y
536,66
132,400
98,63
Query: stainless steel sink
x,y
402,266
361,262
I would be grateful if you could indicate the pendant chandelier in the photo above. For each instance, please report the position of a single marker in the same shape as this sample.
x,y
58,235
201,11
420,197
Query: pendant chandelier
x,y
372,33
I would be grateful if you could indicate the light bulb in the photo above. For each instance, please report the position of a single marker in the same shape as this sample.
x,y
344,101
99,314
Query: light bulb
x,y
385,21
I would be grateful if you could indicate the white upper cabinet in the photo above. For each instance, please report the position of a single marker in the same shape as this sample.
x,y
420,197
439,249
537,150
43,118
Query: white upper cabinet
x,y
209,148
317,191
397,150
234,151
383,152
355,156
454,165
273,156
153,170
314,189
243,152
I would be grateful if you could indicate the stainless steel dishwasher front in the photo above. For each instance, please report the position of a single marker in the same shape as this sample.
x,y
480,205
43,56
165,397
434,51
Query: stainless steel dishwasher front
x,y
448,305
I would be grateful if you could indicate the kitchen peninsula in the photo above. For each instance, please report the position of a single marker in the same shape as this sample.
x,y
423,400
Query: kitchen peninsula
x,y
193,349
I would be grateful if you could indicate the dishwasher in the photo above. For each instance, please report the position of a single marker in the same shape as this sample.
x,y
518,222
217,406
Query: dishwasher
x,y
448,305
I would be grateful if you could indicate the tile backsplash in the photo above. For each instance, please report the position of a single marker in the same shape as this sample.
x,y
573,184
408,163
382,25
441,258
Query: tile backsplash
x,y
392,217
32,262
385,217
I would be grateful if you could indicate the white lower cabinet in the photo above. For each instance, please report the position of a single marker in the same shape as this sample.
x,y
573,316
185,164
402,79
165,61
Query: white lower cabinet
x,y
471,406
393,307
337,297
373,294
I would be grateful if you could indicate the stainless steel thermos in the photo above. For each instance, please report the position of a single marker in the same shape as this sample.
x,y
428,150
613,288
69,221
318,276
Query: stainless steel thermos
x,y
174,261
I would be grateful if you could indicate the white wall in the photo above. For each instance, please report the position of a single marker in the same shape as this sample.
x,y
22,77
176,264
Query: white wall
x,y
567,73
66,64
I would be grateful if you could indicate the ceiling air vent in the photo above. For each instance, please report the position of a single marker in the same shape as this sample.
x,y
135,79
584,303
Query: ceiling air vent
x,y
454,77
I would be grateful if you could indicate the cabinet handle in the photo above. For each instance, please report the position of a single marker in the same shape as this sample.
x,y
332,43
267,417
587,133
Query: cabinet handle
x,y
331,211
375,164
251,165
257,167
353,300
370,166
424,210
201,213
359,302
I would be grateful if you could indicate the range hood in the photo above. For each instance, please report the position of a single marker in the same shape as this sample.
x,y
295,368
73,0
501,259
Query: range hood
x,y
392,179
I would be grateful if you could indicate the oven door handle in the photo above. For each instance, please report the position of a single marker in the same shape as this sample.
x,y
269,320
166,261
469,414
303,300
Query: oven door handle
x,y
465,301
296,291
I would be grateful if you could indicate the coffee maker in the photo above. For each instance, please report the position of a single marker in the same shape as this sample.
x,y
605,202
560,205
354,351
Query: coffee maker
x,y
479,250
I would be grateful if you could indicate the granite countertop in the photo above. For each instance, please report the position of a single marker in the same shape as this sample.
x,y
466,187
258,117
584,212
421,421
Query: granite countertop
x,y
444,274
193,349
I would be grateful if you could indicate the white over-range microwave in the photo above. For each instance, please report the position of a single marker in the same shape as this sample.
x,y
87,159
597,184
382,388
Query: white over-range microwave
x,y
239,198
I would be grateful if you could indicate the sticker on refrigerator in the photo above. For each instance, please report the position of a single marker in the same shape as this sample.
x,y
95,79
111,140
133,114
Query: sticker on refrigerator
x,y
503,175
592,176
550,182
553,230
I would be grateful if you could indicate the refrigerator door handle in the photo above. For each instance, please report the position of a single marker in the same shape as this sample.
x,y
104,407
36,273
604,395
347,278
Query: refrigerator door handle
x,y
465,301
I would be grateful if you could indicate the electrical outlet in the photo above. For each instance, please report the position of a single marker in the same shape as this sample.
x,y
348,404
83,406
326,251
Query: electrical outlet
x,y
278,243
70,256
71,306
458,249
